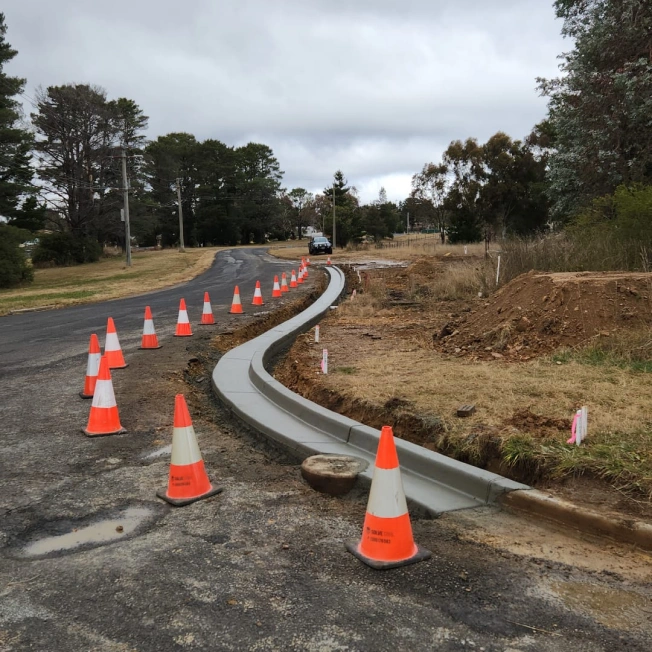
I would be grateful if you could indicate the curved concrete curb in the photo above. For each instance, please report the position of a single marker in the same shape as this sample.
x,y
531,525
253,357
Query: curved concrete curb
x,y
537,503
433,483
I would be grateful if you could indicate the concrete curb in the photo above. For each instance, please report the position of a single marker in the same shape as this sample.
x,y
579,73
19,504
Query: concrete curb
x,y
537,503
433,482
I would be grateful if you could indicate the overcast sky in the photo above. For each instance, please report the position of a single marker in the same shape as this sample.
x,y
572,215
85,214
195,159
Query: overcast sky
x,y
375,88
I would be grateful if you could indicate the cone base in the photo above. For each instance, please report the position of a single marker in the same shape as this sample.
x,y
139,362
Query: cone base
x,y
236,312
180,502
145,348
183,335
88,433
206,323
421,555
82,395
121,366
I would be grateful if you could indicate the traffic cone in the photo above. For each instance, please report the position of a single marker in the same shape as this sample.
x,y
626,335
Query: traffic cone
x,y
305,270
103,418
308,262
183,324
188,481
300,277
387,540
112,349
92,367
293,280
149,339
276,290
236,306
328,260
284,283
207,315
258,296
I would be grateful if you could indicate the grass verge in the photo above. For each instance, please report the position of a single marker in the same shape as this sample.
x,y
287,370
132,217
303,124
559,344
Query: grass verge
x,y
109,278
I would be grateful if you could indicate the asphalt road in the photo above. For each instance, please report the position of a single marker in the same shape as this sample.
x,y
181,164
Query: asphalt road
x,y
261,566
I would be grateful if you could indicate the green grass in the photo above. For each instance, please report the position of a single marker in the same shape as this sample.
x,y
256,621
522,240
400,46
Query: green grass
x,y
9,302
345,370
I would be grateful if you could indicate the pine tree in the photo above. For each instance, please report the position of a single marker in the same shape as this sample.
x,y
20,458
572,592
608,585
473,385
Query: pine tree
x,y
15,142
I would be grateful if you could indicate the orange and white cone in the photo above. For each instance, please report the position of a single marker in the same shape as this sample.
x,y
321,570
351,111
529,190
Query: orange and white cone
x,y
284,283
104,418
92,367
305,270
300,277
188,481
293,280
207,314
308,262
328,260
112,349
276,290
236,305
258,296
149,339
387,540
183,323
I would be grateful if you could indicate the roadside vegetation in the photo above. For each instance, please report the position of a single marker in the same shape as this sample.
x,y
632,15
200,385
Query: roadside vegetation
x,y
109,278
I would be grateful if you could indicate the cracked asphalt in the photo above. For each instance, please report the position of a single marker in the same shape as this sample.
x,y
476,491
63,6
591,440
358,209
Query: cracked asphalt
x,y
261,566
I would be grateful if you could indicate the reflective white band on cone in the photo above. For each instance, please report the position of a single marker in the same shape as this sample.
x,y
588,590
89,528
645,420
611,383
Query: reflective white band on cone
x,y
93,365
387,498
112,343
183,317
104,396
148,328
185,449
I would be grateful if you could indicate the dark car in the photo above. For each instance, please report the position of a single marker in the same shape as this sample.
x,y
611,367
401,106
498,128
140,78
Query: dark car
x,y
320,245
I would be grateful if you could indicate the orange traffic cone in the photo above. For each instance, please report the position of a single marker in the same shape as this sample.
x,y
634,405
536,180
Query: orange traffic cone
x,y
284,283
300,277
387,533
308,262
207,315
305,270
112,349
188,481
149,339
293,280
183,324
92,367
328,260
276,290
103,418
258,296
236,306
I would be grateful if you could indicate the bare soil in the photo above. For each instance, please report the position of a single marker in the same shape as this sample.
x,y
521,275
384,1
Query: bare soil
x,y
409,360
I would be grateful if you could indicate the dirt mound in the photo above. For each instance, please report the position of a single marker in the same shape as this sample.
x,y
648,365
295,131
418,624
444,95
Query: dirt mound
x,y
537,313
425,269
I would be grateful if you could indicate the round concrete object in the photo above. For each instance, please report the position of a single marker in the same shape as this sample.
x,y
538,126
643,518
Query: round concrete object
x,y
331,474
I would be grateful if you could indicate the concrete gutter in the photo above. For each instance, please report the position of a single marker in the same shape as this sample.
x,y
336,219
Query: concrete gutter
x,y
433,483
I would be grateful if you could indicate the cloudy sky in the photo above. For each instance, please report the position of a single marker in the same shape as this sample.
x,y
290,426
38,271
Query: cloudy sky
x,y
375,88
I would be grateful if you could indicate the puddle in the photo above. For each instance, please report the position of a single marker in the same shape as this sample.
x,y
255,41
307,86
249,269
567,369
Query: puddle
x,y
615,608
159,452
74,535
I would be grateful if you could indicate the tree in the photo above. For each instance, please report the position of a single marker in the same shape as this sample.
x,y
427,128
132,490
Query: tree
x,y
299,198
17,199
13,263
431,185
346,204
79,135
600,108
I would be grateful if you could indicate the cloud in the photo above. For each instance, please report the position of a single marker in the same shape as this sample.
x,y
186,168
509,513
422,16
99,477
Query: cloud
x,y
374,88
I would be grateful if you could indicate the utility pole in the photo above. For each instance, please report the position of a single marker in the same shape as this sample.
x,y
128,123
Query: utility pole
x,y
407,224
181,247
334,232
125,190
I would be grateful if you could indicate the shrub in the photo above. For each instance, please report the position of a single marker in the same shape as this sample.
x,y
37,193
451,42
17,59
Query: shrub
x,y
14,268
63,249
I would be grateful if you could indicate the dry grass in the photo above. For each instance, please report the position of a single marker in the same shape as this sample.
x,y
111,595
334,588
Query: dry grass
x,y
107,279
397,249
460,281
619,398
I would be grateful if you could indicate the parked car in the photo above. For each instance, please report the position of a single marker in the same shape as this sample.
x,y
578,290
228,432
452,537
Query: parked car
x,y
320,245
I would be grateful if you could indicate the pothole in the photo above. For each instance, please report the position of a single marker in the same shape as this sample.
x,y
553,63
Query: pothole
x,y
68,536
